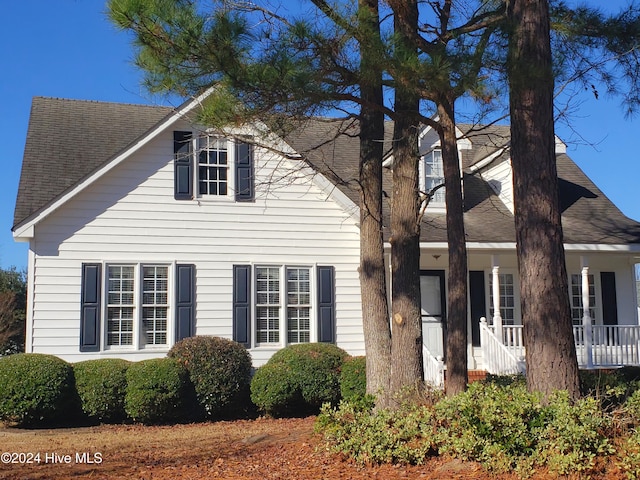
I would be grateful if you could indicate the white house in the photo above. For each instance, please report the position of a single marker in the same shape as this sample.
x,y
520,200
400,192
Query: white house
x,y
145,228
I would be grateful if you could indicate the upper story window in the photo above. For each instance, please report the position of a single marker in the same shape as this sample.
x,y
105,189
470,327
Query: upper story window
x,y
434,175
213,167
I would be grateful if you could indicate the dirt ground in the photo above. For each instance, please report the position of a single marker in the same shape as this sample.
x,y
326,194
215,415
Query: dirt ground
x,y
250,449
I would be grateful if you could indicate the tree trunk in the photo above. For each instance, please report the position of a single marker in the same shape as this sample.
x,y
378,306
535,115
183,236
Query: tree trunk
x,y
456,339
548,335
375,309
407,370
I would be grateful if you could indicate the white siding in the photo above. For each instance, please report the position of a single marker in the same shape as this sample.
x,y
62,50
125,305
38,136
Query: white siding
x,y
130,215
500,180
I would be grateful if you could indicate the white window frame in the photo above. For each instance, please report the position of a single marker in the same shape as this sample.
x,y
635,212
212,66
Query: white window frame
x,y
517,316
283,305
576,300
230,166
138,340
438,199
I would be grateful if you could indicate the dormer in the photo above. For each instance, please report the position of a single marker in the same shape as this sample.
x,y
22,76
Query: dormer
x,y
496,170
431,170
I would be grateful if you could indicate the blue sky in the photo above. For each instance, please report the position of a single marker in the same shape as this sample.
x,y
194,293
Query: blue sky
x,y
69,49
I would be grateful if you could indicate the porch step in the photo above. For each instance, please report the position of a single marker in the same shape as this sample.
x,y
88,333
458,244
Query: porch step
x,y
477,375
474,375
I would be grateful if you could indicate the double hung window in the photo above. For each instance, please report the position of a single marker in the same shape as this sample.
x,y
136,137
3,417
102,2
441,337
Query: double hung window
x,y
507,298
577,309
137,304
283,306
434,175
213,166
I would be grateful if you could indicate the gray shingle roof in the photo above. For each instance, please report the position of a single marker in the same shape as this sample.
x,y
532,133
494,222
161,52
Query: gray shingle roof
x,y
67,140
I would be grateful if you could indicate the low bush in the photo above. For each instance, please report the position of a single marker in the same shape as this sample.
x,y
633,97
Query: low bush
x,y
401,436
102,386
220,370
298,379
156,390
490,423
497,423
36,389
611,388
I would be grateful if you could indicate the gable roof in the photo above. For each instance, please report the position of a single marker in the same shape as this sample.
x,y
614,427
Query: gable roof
x,y
68,141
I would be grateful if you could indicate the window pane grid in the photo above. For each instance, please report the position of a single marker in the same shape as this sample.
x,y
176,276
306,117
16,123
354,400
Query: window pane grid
x,y
434,175
507,298
120,305
212,166
576,298
298,305
155,304
267,304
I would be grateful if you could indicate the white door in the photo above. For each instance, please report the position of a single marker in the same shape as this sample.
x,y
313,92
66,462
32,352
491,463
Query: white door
x,y
432,297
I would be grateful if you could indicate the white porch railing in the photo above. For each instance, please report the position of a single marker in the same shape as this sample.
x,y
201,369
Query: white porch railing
x,y
502,356
610,345
433,368
597,346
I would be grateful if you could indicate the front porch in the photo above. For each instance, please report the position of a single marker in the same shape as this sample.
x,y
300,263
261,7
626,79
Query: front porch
x,y
503,353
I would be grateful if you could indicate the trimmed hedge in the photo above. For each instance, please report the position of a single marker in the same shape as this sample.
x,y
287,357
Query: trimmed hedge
x,y
220,370
102,386
298,379
156,389
35,389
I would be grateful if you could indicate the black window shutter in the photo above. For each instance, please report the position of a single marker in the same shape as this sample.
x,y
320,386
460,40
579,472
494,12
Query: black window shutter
x,y
609,298
326,304
242,304
182,166
90,307
478,304
245,185
185,301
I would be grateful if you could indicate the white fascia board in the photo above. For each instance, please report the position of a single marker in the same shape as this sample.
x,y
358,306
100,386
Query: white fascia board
x,y
24,233
569,247
337,195
26,229
488,159
599,247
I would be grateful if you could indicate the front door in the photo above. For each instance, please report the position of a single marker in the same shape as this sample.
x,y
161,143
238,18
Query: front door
x,y
433,301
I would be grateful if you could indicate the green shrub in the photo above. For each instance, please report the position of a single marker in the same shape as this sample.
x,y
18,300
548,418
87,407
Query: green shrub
x,y
497,423
35,389
298,379
611,388
629,456
353,379
220,371
490,423
574,435
401,436
102,386
156,390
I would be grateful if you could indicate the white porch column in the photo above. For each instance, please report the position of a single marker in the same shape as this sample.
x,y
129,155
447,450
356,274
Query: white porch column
x,y
586,314
495,294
